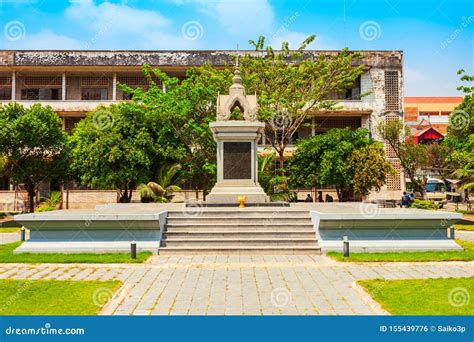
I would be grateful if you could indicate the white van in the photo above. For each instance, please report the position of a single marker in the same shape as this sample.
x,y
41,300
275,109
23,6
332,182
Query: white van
x,y
436,191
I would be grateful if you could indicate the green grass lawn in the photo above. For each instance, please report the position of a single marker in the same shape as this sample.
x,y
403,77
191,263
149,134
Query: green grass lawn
x,y
54,297
449,296
466,255
9,230
464,226
7,256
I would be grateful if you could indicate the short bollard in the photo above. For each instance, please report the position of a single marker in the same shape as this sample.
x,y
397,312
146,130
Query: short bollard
x,y
451,234
23,234
133,250
345,247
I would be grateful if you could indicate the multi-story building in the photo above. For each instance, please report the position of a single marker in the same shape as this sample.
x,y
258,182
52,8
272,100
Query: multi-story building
x,y
75,82
433,111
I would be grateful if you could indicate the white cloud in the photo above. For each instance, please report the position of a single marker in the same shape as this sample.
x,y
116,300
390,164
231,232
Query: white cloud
x,y
119,26
44,40
118,17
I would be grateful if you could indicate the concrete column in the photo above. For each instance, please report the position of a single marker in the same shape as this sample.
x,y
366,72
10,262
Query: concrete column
x,y
313,127
13,86
114,87
63,95
164,88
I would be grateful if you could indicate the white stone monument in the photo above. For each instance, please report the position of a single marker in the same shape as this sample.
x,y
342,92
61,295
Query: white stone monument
x,y
237,147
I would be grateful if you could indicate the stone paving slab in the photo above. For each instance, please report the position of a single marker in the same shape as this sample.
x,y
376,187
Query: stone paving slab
x,y
239,285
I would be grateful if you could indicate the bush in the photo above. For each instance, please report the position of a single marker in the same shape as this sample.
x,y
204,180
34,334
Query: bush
x,y
423,204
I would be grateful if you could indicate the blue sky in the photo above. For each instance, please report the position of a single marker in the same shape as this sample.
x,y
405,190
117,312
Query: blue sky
x,y
436,36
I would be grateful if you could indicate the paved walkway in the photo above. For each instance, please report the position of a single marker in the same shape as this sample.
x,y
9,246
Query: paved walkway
x,y
236,285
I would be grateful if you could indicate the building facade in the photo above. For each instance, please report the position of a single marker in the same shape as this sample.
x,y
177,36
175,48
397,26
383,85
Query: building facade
x,y
75,82
423,112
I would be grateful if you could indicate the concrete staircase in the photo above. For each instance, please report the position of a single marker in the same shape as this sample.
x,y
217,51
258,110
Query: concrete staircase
x,y
234,231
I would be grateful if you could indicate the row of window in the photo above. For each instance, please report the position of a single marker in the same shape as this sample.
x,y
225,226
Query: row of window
x,y
46,94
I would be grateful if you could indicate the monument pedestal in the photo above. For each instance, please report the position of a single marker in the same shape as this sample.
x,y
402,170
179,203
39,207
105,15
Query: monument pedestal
x,y
237,162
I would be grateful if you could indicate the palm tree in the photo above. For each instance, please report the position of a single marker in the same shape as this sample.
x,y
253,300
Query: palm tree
x,y
163,189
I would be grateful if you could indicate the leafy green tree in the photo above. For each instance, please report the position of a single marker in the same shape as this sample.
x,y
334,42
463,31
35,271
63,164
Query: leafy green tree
x,y
369,168
336,158
34,146
274,185
460,137
113,148
412,157
291,84
184,111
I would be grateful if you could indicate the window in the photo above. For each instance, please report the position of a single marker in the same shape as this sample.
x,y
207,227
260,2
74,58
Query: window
x,y
41,94
5,93
392,101
353,93
94,94
435,187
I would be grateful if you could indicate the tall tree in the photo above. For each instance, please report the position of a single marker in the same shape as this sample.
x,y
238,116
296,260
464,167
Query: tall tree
x,y
291,84
460,137
338,158
185,110
113,148
34,145
412,156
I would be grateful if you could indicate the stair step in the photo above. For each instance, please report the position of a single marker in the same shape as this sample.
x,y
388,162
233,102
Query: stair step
x,y
239,234
236,242
205,213
242,250
241,224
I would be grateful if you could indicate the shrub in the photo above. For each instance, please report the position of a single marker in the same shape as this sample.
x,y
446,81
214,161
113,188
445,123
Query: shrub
x,y
423,204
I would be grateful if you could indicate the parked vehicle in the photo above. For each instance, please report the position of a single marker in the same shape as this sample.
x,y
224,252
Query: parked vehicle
x,y
436,191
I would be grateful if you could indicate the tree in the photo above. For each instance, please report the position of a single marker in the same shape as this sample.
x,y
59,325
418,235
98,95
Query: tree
x,y
274,185
113,148
162,190
34,145
292,84
336,158
460,137
184,111
412,157
369,168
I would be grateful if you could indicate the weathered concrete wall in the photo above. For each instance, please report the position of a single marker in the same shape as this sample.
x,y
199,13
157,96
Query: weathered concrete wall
x,y
378,59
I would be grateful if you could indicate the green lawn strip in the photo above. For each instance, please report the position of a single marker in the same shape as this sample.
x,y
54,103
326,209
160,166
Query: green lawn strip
x,y
54,297
9,230
439,296
7,256
464,227
466,255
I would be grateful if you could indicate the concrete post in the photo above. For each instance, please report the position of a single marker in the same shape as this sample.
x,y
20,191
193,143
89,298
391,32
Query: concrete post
x,y
133,250
114,87
345,246
13,86
63,95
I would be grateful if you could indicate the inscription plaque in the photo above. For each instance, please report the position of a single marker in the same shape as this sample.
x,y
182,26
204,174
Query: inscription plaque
x,y
237,160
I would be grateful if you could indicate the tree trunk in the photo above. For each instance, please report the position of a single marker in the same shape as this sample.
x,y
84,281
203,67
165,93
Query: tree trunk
x,y
281,160
30,188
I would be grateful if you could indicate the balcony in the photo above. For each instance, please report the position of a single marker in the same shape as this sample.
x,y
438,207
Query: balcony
x,y
66,106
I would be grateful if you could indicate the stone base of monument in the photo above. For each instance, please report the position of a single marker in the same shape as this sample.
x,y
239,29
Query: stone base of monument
x,y
226,193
